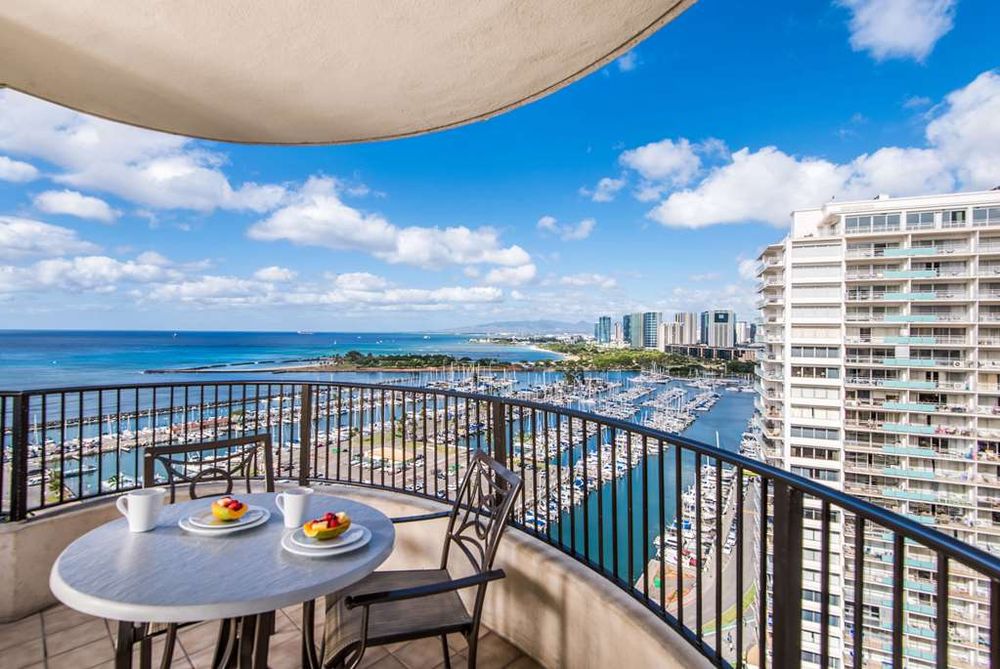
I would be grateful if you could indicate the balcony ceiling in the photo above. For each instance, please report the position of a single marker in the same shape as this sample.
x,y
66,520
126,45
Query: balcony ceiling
x,y
311,71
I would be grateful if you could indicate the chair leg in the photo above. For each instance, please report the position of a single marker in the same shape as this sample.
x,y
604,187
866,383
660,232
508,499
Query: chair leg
x,y
473,640
447,655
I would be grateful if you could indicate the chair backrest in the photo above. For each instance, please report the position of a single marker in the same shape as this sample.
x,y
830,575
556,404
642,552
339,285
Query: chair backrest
x,y
211,462
483,504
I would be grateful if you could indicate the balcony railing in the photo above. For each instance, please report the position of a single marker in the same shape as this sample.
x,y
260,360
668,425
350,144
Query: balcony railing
x,y
624,500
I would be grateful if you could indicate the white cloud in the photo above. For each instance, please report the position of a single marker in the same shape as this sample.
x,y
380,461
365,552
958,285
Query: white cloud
x,y
585,279
72,203
628,62
151,278
962,151
567,231
363,281
706,276
16,171
916,102
967,133
605,190
149,168
747,268
153,258
91,274
664,161
511,276
275,274
317,216
21,237
898,28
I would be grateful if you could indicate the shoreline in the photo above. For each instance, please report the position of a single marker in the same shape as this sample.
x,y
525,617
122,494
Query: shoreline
x,y
319,365
326,369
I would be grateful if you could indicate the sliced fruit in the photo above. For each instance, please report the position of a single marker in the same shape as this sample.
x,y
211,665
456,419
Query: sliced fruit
x,y
330,526
228,508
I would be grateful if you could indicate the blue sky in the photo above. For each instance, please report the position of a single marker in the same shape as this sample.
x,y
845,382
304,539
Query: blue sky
x,y
705,137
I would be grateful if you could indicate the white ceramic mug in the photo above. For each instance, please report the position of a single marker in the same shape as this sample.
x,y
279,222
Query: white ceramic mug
x,y
141,508
292,504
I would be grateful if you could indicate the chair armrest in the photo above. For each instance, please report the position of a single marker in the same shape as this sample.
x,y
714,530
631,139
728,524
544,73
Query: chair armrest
x,y
369,598
423,516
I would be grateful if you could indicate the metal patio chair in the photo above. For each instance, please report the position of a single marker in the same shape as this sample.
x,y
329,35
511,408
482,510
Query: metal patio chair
x,y
392,606
231,460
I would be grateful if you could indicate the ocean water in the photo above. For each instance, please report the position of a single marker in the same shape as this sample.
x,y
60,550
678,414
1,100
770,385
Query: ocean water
x,y
41,358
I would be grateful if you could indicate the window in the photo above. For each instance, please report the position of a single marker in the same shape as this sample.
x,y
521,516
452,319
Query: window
x,y
876,223
805,432
814,658
821,413
816,514
953,219
814,617
815,351
817,474
815,453
801,372
809,392
986,216
921,220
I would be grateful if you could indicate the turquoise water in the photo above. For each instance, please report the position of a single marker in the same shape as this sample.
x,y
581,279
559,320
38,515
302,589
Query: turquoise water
x,y
728,418
39,358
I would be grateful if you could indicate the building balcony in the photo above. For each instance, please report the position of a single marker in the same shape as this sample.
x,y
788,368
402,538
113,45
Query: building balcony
x,y
910,340
903,296
559,559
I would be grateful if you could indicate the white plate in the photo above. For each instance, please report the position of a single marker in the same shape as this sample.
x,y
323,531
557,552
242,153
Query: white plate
x,y
286,543
207,521
186,525
355,532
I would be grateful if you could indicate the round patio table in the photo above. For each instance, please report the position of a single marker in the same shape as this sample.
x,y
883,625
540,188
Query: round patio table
x,y
168,575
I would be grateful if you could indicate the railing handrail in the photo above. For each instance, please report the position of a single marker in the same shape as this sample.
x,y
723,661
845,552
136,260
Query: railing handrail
x,y
967,554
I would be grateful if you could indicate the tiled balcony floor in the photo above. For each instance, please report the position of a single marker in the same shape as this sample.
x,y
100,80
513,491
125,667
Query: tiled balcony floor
x,y
60,638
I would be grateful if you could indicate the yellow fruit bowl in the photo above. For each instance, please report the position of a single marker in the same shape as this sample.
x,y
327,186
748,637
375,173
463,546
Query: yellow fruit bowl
x,y
330,526
228,509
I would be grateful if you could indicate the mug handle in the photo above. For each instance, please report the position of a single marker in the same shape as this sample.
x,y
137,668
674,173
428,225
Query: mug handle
x,y
279,501
122,504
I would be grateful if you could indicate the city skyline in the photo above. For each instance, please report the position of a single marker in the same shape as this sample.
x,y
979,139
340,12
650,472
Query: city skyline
x,y
613,195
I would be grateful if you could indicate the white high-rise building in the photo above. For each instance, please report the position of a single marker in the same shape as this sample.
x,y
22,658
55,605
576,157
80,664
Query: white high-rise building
x,y
718,328
682,331
880,375
744,333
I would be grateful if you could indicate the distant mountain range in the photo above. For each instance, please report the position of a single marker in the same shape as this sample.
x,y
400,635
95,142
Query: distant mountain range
x,y
538,327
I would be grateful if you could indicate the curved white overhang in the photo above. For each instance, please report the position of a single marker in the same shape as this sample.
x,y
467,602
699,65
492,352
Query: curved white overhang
x,y
311,71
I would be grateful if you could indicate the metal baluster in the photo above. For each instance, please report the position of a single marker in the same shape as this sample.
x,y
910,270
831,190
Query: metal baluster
x,y
699,594
629,530
859,590
762,576
679,516
898,605
788,589
600,494
662,536
645,520
719,509
941,635
739,566
824,604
